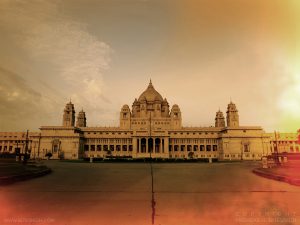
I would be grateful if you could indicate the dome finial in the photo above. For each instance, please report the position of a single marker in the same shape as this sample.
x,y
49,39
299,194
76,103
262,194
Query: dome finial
x,y
150,83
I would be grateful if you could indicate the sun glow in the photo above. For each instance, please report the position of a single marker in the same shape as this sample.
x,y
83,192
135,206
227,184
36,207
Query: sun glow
x,y
289,103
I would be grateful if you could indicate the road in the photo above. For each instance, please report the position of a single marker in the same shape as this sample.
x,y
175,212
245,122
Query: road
x,y
121,193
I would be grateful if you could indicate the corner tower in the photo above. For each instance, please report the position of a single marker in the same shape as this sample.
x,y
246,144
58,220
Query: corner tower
x,y
232,115
219,120
69,115
81,119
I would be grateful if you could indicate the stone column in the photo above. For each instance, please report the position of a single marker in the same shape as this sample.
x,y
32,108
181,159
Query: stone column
x,y
160,150
147,145
165,147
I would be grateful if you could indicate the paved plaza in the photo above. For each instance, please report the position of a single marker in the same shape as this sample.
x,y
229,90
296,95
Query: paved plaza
x,y
121,193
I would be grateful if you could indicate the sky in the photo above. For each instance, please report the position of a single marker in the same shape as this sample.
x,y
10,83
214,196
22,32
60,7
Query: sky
x,y
101,54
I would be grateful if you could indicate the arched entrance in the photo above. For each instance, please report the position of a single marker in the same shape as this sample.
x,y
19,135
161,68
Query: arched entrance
x,y
150,145
143,145
157,145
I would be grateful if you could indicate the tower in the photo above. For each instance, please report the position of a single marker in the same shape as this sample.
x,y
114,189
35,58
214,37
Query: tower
x,y
176,117
125,117
165,108
232,115
69,115
135,108
219,120
81,119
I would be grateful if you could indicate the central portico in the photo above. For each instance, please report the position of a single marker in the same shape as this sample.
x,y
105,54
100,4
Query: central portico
x,y
150,120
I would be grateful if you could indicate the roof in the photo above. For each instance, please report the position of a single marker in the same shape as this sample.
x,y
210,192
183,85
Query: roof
x,y
150,94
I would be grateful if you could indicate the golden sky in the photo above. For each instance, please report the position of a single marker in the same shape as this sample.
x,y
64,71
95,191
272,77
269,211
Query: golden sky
x,y
199,54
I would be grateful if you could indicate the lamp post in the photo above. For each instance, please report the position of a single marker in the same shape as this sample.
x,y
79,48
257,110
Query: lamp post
x,y
26,148
276,149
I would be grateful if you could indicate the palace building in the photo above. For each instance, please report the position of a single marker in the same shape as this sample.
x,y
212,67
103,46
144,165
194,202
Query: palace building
x,y
149,129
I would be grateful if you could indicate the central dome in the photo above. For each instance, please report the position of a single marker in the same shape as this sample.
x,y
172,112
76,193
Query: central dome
x,y
150,94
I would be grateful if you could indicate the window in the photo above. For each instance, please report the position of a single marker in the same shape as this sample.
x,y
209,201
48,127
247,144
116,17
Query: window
x,y
215,148
246,148
176,148
201,147
208,148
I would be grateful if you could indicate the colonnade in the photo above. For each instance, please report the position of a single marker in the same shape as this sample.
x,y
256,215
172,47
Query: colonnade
x,y
150,144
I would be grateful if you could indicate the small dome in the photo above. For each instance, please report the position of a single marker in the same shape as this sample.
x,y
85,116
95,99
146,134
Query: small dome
x,y
175,108
231,107
125,108
150,94
219,114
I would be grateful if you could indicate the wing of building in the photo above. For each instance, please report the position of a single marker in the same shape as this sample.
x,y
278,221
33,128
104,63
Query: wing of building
x,y
150,128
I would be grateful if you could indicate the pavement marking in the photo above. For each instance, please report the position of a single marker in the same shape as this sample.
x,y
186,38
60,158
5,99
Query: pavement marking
x,y
152,192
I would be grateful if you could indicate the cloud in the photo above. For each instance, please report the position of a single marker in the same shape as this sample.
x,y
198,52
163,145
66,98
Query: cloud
x,y
66,59
19,102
